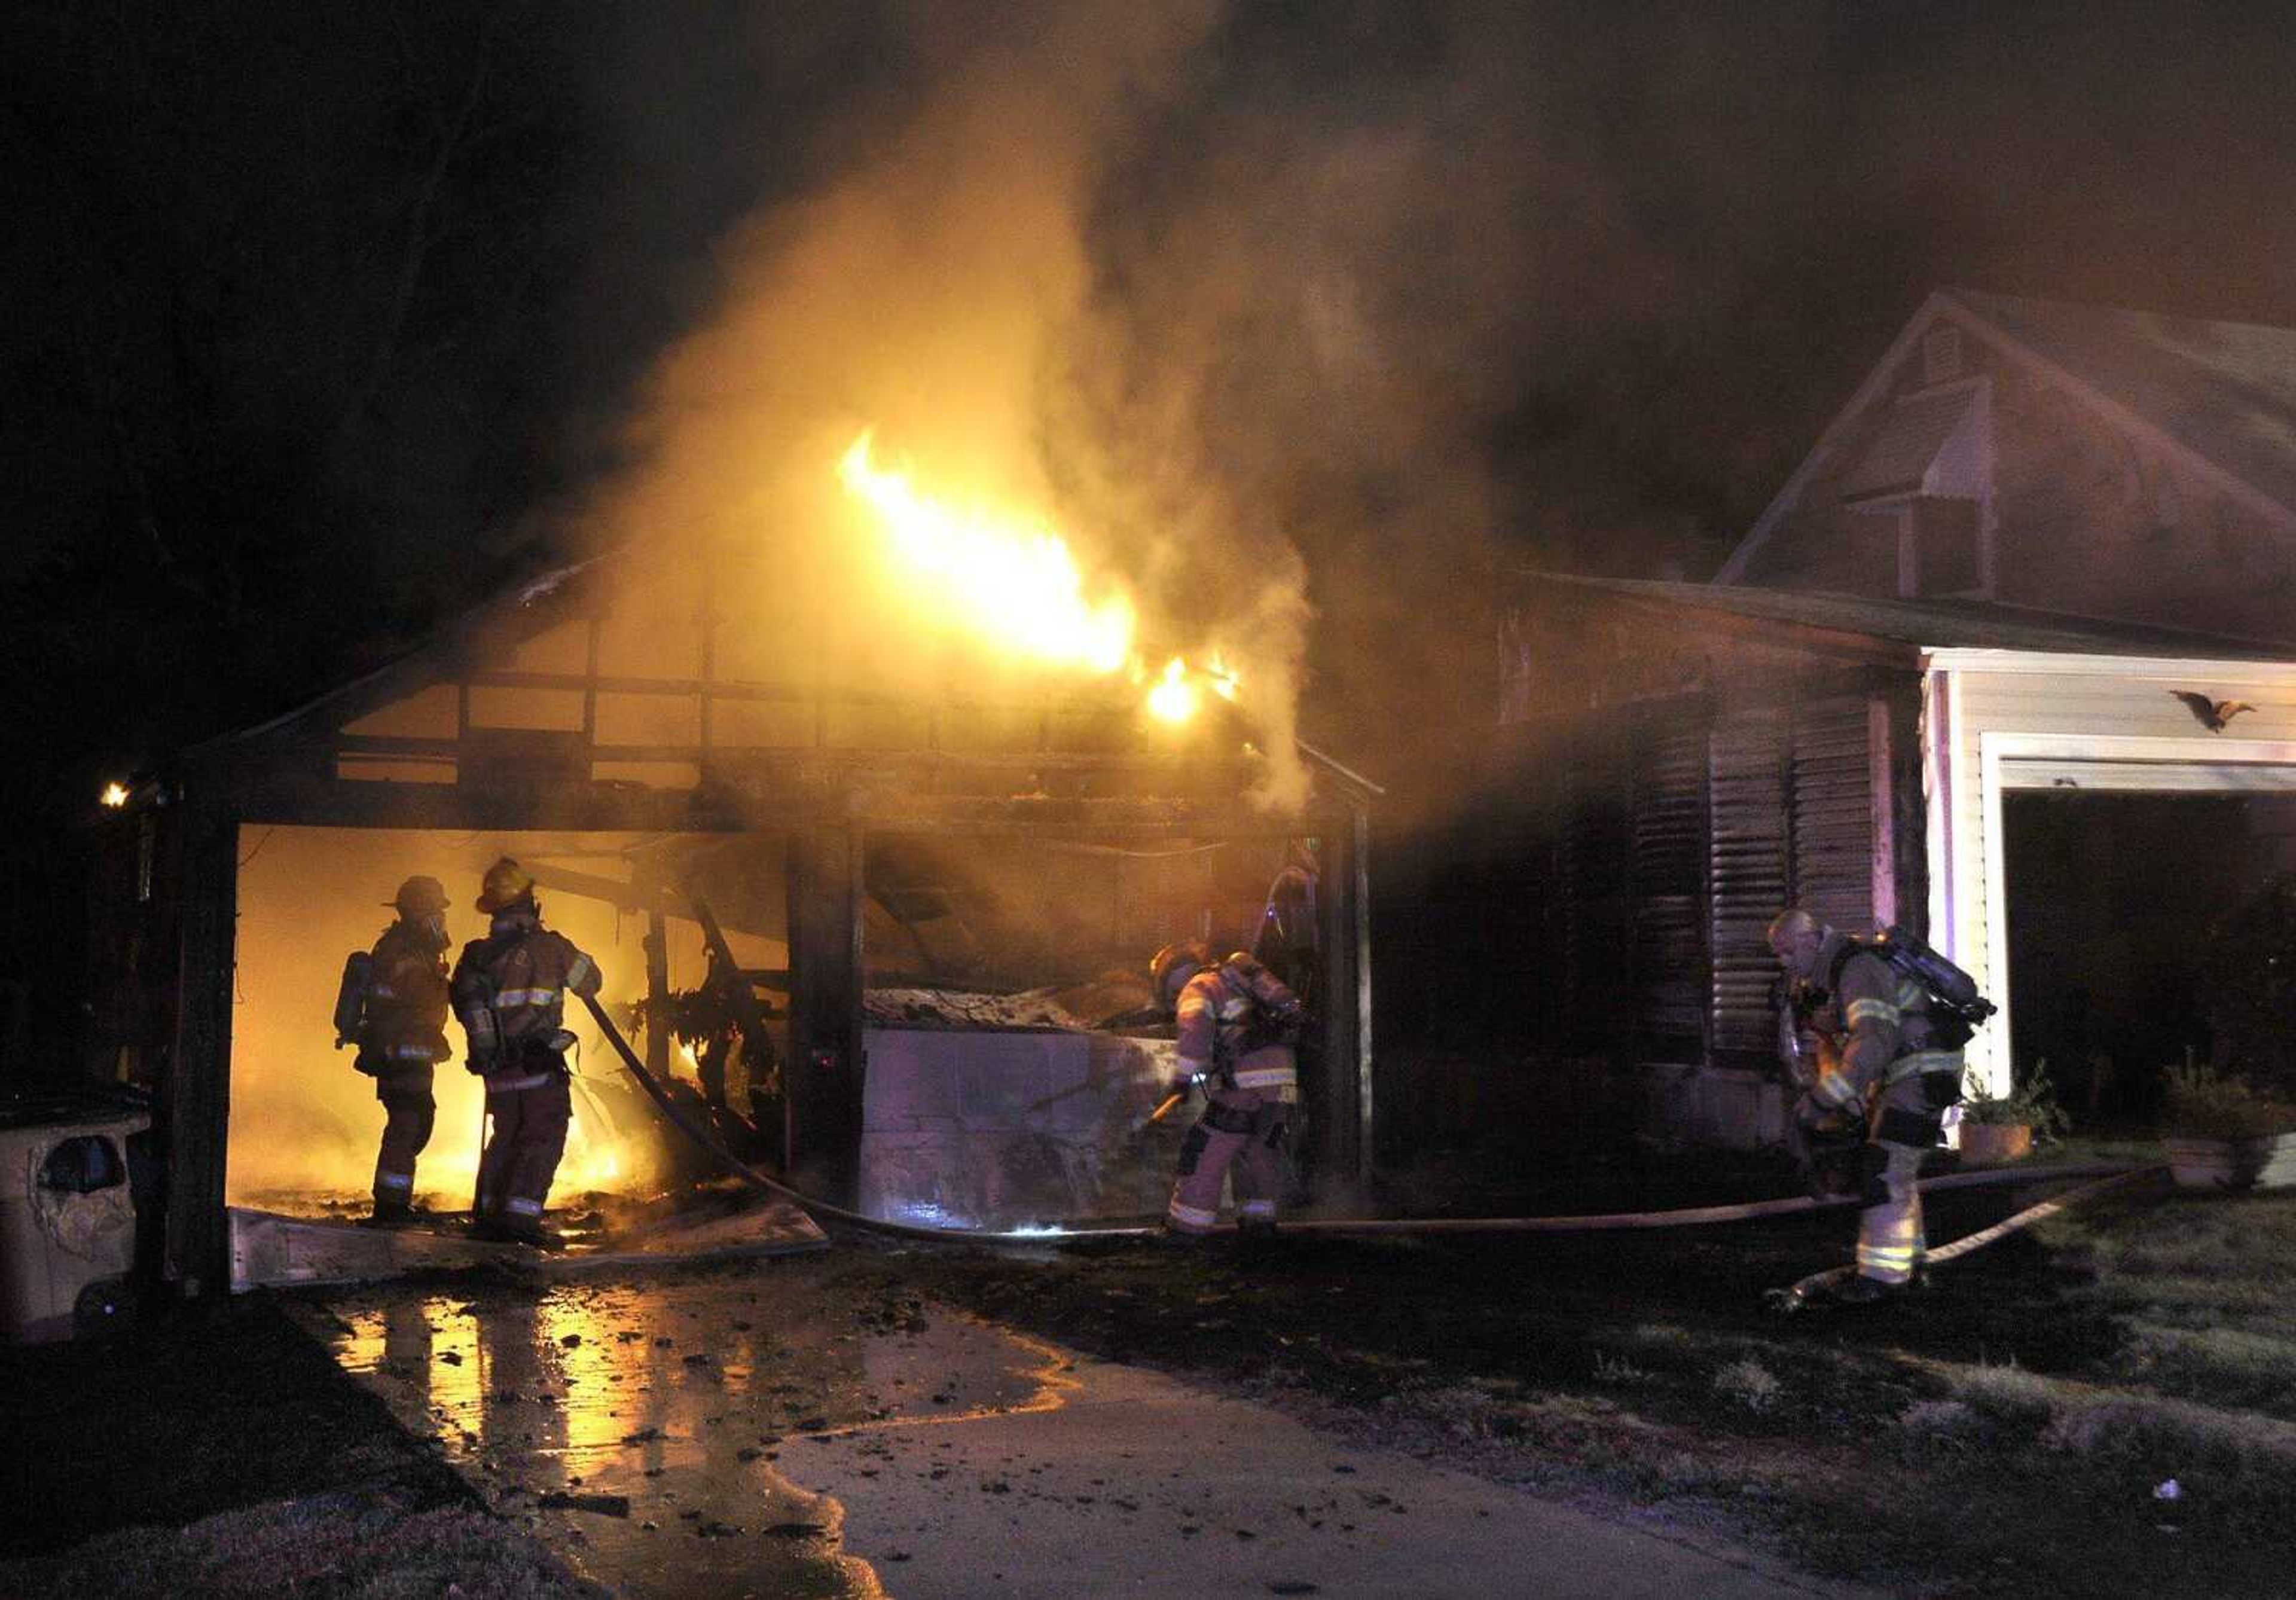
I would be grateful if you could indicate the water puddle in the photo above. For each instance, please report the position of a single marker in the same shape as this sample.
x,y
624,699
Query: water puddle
x,y
655,1435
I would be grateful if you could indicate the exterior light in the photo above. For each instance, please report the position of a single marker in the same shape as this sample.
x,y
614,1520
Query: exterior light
x,y
114,795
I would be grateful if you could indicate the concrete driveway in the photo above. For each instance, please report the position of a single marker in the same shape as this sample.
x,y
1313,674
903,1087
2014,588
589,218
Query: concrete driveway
x,y
773,1430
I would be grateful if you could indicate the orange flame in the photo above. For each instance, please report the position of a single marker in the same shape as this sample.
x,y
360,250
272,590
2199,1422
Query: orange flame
x,y
1178,693
1011,581
1173,697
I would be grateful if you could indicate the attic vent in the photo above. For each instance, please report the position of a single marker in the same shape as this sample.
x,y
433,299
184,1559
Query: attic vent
x,y
1941,354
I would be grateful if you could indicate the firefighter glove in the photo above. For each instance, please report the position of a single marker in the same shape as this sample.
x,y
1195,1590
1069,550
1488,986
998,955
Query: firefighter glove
x,y
1823,1125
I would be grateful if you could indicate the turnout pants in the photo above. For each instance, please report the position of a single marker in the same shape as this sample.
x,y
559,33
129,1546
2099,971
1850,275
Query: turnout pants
x,y
409,1113
528,1113
1242,1130
1891,1241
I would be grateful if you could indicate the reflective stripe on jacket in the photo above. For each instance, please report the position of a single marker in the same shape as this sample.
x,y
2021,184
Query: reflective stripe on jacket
x,y
510,987
1881,1019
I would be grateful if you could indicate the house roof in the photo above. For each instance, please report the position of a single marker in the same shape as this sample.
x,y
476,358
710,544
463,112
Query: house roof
x,y
2224,391
2220,394
1935,624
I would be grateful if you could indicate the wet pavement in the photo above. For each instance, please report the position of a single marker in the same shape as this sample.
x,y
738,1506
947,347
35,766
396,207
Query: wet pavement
x,y
646,1432
786,1429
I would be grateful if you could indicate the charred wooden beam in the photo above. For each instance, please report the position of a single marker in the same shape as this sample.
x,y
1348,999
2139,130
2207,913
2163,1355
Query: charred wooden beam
x,y
822,1080
195,1098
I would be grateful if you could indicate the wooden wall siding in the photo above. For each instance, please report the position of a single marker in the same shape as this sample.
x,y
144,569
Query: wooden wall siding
x,y
1749,875
1686,835
1833,811
1667,875
1594,852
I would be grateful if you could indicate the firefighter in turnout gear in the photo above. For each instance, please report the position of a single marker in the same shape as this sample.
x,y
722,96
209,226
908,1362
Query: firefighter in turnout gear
x,y
1885,1081
402,1036
1237,1023
510,992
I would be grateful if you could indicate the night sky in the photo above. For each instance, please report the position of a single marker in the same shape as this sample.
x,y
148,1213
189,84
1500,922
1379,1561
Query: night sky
x,y
325,321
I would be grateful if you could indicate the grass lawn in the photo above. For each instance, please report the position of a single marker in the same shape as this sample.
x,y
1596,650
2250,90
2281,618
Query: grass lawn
x,y
2012,1430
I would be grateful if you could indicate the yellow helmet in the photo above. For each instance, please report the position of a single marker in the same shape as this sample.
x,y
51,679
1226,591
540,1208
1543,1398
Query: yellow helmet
x,y
506,883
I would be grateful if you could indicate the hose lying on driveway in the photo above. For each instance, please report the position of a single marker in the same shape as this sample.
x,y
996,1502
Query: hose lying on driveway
x,y
1605,1222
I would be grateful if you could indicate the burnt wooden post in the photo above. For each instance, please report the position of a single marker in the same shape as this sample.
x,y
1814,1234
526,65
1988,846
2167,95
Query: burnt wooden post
x,y
1341,1115
656,958
196,1098
823,1078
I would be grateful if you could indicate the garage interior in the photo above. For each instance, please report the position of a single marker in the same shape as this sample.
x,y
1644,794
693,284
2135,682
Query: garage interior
x,y
2119,903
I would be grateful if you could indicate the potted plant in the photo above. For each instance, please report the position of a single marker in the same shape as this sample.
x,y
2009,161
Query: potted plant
x,y
2221,1133
2004,1127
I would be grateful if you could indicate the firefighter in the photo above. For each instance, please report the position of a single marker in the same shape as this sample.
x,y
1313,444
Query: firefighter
x,y
509,989
1883,1083
1237,1020
402,1036
1290,941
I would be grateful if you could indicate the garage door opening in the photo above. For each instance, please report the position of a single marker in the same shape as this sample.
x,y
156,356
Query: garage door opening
x,y
1009,1047
305,1124
2112,898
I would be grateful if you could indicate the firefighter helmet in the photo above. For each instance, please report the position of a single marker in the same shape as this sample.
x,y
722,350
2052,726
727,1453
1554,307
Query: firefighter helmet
x,y
505,884
1174,965
419,897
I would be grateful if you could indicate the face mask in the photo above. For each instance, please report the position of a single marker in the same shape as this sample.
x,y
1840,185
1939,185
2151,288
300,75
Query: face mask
x,y
435,925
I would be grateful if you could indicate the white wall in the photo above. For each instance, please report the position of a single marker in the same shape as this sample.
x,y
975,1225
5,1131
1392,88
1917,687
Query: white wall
x,y
1994,720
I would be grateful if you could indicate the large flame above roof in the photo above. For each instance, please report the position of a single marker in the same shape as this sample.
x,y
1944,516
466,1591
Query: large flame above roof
x,y
1009,581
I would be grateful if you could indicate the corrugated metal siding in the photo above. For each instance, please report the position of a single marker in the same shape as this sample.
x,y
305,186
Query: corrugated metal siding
x,y
1746,873
1670,830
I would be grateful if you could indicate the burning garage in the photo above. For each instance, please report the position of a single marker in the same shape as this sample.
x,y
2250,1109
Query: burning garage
x,y
876,891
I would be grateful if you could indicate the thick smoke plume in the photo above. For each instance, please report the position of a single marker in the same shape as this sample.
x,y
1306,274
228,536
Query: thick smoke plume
x,y
936,291
1307,323
1245,301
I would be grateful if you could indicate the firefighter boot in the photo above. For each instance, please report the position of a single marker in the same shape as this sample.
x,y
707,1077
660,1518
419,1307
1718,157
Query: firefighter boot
x,y
1856,1290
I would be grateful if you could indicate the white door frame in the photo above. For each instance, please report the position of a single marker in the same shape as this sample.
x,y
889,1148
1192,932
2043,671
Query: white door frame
x,y
2104,763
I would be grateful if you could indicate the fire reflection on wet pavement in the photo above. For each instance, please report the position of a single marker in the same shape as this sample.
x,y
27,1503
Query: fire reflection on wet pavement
x,y
653,1435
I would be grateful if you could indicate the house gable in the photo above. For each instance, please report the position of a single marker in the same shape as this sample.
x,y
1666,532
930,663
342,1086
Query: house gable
x,y
2059,458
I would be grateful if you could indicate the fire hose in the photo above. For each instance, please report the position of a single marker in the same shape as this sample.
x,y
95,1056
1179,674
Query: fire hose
x,y
1606,1222
1799,1295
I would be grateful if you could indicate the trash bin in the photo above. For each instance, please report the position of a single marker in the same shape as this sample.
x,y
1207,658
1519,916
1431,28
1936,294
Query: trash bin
x,y
66,1217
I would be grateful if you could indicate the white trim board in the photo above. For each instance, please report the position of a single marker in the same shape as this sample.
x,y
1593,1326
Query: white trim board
x,y
2181,669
